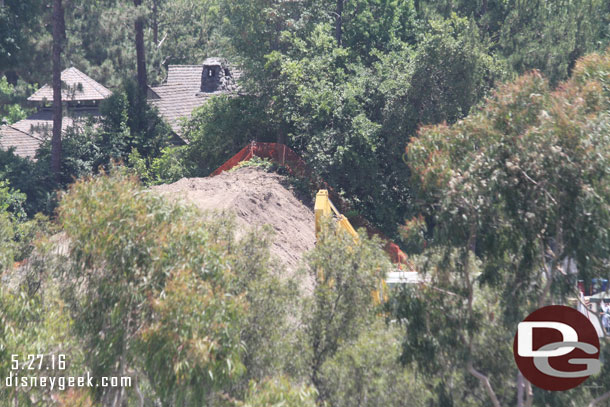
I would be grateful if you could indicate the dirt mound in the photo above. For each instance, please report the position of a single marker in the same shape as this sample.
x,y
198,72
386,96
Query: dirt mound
x,y
256,198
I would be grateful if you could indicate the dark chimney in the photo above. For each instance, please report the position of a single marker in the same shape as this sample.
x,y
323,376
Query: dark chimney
x,y
216,76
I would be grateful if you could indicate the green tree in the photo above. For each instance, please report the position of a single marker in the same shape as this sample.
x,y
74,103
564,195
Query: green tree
x,y
219,129
31,178
18,23
279,391
514,194
545,35
551,36
8,200
187,31
34,323
153,301
350,122
18,233
33,320
169,296
11,100
270,326
374,26
346,273
129,122
367,372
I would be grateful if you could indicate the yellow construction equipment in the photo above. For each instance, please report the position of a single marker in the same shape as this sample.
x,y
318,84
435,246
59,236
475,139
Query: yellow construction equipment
x,y
325,208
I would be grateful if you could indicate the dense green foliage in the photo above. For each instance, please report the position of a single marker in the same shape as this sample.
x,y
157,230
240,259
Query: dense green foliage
x,y
166,310
341,305
17,27
99,37
11,98
349,106
221,128
346,88
350,117
166,295
515,196
504,187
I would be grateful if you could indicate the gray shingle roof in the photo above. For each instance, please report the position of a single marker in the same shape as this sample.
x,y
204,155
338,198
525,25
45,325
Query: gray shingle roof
x,y
28,134
76,87
176,102
25,144
180,94
184,75
191,74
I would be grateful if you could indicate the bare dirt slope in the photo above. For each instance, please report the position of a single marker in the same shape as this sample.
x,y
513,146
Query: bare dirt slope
x,y
256,198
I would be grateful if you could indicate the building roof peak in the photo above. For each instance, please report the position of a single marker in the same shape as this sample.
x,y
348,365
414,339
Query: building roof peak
x,y
76,87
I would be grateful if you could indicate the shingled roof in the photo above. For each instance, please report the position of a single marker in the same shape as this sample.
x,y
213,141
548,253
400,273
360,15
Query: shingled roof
x,y
175,102
27,135
25,144
76,87
191,74
184,75
181,93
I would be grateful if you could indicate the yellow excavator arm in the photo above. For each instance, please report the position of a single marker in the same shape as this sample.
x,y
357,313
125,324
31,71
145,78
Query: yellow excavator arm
x,y
325,208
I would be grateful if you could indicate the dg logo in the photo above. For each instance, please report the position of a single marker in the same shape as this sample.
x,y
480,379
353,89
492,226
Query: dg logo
x,y
556,348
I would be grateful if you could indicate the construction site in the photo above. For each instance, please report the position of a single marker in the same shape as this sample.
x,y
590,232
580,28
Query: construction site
x,y
256,203
257,196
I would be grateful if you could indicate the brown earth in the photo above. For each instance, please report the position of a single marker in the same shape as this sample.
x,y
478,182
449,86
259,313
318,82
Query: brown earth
x,y
256,198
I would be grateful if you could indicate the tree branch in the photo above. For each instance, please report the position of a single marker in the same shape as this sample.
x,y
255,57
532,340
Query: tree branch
x,y
520,388
485,381
529,396
601,398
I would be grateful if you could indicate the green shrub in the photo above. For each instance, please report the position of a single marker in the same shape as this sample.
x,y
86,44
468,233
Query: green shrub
x,y
279,391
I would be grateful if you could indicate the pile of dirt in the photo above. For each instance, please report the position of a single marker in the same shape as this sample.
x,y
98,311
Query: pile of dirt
x,y
256,198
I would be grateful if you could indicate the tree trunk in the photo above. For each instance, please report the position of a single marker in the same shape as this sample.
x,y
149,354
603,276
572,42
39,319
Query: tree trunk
x,y
58,36
529,395
339,22
520,389
486,384
155,22
140,51
601,398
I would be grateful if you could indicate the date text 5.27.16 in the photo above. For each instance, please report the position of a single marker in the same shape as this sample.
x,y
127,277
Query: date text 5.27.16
x,y
39,362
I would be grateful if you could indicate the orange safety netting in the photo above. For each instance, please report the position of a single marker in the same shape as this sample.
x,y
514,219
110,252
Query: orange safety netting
x,y
279,153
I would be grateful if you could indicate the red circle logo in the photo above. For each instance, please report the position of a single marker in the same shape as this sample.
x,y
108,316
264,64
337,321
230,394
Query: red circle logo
x,y
556,348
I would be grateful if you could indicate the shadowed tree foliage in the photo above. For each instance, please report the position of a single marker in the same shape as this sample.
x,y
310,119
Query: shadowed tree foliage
x,y
515,195
346,274
168,295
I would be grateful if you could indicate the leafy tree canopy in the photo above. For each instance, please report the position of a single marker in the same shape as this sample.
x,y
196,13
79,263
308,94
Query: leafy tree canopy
x,y
515,197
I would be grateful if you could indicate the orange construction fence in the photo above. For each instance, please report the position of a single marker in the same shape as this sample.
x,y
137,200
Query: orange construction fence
x,y
279,153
